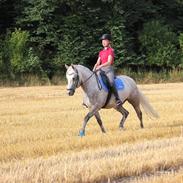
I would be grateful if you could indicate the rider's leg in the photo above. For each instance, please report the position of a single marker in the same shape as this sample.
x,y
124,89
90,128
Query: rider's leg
x,y
115,92
110,75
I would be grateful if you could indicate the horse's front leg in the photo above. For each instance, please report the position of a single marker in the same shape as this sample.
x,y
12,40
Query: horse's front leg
x,y
97,116
86,119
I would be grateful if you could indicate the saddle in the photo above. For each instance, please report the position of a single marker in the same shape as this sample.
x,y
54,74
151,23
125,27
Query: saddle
x,y
105,84
105,81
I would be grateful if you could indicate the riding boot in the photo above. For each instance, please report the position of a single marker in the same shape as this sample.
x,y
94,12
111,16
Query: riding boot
x,y
115,92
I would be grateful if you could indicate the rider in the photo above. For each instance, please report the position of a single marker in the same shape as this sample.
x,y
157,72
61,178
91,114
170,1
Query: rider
x,y
105,61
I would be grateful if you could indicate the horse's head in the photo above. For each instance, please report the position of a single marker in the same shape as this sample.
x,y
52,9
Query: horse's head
x,y
72,79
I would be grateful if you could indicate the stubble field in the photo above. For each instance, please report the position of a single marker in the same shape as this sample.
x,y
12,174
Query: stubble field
x,y
39,139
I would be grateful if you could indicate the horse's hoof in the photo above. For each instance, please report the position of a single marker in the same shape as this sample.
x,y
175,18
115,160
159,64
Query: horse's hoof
x,y
84,105
81,133
121,128
103,130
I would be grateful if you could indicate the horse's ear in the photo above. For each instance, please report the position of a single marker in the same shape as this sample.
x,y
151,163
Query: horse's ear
x,y
66,66
72,65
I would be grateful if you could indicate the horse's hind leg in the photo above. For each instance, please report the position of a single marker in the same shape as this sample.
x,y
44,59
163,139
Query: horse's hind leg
x,y
136,106
139,114
124,113
97,116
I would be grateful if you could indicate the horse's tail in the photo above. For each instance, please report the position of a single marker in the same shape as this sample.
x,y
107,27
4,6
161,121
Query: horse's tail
x,y
147,106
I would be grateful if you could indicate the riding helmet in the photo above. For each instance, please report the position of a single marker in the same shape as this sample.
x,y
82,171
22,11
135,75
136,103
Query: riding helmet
x,y
106,36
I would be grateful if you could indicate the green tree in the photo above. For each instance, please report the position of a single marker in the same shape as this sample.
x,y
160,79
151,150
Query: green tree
x,y
181,47
66,31
17,49
159,44
20,56
181,41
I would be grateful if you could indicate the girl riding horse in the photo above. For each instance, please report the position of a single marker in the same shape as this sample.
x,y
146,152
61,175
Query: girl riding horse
x,y
105,61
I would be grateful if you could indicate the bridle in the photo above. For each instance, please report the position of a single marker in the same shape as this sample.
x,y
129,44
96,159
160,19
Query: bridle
x,y
76,82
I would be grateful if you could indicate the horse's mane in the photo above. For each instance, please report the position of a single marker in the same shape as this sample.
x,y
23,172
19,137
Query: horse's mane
x,y
83,67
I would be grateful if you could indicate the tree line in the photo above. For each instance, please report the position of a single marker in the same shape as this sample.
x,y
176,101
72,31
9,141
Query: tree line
x,y
40,36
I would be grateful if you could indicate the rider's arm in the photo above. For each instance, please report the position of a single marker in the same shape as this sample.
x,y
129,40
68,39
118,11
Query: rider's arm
x,y
97,64
108,63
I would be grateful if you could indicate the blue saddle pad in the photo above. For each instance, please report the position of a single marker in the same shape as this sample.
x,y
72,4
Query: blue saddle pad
x,y
118,83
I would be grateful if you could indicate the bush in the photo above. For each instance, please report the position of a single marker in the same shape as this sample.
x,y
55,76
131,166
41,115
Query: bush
x,y
1,61
32,63
17,49
159,44
21,57
181,48
181,41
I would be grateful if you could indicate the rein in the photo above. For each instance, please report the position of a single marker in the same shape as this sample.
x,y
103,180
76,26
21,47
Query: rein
x,y
88,78
97,79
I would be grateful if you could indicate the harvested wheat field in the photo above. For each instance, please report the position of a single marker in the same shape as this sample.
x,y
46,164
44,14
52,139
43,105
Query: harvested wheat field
x,y
39,139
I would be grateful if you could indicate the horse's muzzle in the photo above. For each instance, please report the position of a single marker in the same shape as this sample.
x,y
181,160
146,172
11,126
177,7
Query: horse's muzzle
x,y
70,92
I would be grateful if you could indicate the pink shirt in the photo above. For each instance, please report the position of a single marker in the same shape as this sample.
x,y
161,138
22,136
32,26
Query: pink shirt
x,y
104,54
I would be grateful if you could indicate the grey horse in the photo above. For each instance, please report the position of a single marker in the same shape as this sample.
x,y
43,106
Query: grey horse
x,y
95,98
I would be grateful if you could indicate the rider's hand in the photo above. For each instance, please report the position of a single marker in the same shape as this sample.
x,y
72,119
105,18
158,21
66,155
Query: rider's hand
x,y
98,68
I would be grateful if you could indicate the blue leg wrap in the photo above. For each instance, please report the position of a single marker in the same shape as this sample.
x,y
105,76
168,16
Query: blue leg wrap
x,y
81,133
